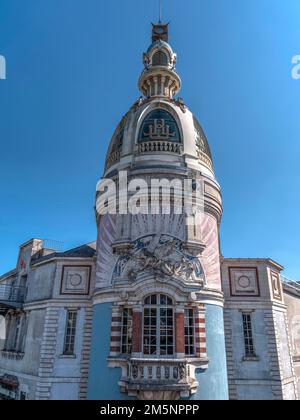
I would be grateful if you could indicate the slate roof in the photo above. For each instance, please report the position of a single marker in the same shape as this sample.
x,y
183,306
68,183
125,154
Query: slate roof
x,y
84,251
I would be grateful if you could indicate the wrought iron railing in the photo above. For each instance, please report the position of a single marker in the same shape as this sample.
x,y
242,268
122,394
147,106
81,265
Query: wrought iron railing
x,y
53,245
12,294
291,283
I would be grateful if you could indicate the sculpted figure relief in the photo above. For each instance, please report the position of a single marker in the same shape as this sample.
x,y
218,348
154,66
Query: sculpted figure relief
x,y
161,254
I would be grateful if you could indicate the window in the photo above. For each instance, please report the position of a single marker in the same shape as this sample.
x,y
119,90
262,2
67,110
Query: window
x,y
189,332
16,330
127,331
69,345
158,326
23,396
160,59
248,335
159,125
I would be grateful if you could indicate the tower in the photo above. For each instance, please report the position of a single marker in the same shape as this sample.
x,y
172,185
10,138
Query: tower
x,y
158,330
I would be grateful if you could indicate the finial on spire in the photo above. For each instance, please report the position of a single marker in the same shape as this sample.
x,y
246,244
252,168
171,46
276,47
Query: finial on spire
x,y
160,31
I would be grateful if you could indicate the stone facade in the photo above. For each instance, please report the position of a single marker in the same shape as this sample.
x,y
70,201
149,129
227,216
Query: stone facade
x,y
37,362
254,287
292,299
151,310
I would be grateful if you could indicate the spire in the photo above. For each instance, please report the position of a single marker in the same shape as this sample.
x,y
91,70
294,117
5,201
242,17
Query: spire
x,y
160,30
160,79
160,11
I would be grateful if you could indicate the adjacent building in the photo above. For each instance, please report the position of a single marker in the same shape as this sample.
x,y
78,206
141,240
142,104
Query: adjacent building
x,y
47,309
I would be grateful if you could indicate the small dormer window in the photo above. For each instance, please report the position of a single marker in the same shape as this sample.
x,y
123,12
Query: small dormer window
x,y
160,59
159,125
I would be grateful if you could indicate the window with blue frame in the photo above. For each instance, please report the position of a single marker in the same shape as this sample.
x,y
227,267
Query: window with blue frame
x,y
159,125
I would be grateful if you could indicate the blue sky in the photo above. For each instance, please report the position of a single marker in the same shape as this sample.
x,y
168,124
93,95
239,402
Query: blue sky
x,y
72,70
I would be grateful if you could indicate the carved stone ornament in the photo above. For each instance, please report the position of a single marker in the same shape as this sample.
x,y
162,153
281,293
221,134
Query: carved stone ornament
x,y
162,256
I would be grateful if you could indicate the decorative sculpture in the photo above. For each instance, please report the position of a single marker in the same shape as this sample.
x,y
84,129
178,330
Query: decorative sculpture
x,y
160,254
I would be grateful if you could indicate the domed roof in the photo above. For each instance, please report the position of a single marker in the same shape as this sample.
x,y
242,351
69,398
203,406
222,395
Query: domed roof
x,y
159,44
115,148
158,129
155,128
202,144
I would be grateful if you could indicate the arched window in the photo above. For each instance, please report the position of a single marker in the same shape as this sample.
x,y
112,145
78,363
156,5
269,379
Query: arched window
x,y
160,59
159,125
158,328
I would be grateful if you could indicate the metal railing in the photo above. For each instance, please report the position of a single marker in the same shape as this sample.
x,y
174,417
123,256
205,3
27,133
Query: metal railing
x,y
291,283
12,294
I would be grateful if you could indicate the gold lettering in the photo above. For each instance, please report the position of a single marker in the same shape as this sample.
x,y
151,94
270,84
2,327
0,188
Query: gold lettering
x,y
159,131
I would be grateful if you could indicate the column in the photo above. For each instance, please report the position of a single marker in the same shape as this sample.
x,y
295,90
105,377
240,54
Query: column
x,y
200,332
23,333
8,331
137,326
11,332
116,329
179,332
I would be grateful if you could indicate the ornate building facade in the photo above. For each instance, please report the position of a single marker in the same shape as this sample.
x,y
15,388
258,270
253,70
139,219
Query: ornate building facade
x,y
152,310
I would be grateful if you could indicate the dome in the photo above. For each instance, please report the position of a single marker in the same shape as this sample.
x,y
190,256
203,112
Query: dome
x,y
203,149
163,50
160,44
159,131
115,149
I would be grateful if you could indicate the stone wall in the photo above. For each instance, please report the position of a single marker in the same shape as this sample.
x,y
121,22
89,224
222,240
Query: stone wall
x,y
253,286
293,315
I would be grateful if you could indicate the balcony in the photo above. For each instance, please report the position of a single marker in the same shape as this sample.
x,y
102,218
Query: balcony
x,y
160,146
12,296
12,355
158,378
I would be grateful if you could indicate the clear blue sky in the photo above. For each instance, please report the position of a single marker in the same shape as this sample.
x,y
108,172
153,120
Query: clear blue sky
x,y
72,70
